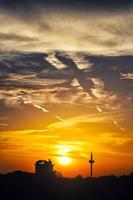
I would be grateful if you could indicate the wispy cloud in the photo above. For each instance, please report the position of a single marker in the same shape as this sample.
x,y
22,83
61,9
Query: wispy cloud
x,y
98,33
72,122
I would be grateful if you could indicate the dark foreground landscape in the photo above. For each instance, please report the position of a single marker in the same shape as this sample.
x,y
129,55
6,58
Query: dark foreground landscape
x,y
22,186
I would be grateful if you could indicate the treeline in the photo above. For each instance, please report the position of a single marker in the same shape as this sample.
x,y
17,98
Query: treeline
x,y
27,186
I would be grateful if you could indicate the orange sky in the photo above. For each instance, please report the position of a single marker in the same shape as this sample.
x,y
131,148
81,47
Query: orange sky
x,y
112,148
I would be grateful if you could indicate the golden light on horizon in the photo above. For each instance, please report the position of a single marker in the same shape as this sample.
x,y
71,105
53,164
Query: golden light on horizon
x,y
63,152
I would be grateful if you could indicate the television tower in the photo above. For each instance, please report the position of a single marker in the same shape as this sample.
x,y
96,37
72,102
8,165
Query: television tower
x,y
91,161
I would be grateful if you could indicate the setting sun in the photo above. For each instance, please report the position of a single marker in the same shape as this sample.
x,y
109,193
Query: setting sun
x,y
64,160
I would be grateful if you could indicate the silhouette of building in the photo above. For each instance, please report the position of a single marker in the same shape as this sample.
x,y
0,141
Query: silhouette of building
x,y
44,167
91,161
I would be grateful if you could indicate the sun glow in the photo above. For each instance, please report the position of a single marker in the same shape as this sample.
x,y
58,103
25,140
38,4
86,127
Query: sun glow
x,y
64,160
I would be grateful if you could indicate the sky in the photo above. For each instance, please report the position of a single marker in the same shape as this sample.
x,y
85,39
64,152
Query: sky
x,y
66,85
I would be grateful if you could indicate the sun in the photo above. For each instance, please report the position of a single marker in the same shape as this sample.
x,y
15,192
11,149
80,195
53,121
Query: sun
x,y
64,160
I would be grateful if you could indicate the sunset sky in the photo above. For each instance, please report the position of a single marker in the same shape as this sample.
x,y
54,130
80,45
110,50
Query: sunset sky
x,y
66,85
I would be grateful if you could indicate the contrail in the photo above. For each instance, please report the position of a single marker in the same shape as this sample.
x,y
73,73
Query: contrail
x,y
1,124
114,121
60,118
35,105
41,108
120,127
99,109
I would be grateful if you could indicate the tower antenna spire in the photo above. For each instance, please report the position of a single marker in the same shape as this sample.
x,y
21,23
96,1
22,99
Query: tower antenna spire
x,y
91,161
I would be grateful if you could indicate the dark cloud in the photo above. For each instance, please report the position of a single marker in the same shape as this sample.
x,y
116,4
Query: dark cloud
x,y
13,4
15,68
22,63
109,69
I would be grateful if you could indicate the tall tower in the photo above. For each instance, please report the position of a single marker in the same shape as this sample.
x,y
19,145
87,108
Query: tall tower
x,y
91,161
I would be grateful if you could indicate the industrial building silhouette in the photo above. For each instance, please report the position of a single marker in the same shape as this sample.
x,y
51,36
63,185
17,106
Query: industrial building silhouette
x,y
44,167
